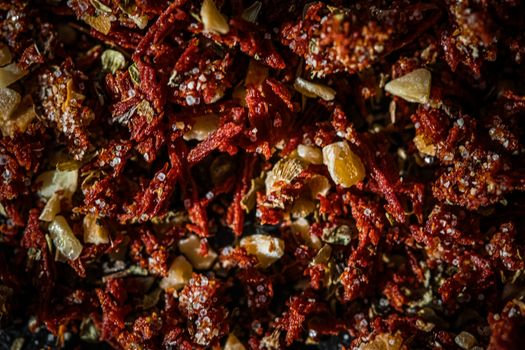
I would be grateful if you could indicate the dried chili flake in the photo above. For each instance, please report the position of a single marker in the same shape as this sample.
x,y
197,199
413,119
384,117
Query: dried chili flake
x,y
60,95
199,303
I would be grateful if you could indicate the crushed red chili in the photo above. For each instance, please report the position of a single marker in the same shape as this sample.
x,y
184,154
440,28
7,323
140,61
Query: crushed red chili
x,y
262,174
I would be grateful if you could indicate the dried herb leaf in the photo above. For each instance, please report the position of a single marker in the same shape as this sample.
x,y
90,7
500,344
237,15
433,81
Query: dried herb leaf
x,y
100,6
64,239
113,61
134,74
62,179
340,235
251,13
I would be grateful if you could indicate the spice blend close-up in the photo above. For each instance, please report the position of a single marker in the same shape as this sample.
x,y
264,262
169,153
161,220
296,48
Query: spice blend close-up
x,y
239,174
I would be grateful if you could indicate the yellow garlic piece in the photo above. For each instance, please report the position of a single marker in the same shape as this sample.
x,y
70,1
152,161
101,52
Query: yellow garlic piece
x,y
412,87
344,166
266,248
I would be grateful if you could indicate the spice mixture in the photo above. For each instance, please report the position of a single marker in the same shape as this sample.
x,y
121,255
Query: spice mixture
x,y
266,174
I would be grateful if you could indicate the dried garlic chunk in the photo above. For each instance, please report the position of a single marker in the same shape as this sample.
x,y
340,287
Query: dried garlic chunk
x,y
94,231
212,19
423,146
384,341
179,274
412,87
266,248
9,101
21,117
256,74
310,89
191,248
10,74
144,109
302,207
64,239
100,6
465,340
301,227
203,126
101,23
318,184
51,209
282,173
5,55
250,198
344,166
64,179
310,154
233,343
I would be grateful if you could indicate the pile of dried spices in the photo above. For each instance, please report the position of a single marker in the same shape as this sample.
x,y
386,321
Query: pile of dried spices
x,y
268,174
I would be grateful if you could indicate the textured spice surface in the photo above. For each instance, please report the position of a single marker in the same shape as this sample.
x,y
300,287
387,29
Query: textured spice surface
x,y
262,175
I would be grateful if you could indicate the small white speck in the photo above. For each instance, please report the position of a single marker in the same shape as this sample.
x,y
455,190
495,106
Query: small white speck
x,y
115,161
190,100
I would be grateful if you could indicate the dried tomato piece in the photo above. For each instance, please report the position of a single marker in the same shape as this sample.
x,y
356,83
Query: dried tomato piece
x,y
200,303
60,95
505,326
301,308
